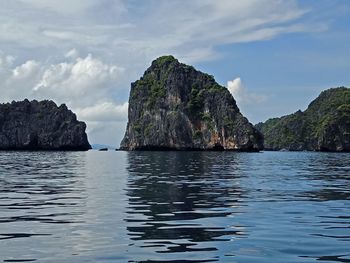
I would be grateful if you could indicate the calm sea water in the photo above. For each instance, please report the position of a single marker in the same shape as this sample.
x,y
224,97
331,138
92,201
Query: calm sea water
x,y
174,207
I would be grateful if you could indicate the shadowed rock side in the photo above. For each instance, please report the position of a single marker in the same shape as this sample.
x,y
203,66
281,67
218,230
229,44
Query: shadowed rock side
x,y
175,107
323,126
33,125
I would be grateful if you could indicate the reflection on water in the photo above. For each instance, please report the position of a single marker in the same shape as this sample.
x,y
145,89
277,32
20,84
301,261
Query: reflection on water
x,y
174,207
176,198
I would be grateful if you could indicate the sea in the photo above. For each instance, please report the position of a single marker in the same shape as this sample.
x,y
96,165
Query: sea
x,y
174,207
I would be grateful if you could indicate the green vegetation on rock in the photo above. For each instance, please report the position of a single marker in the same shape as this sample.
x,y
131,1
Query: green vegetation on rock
x,y
188,108
195,104
323,126
197,134
136,127
164,60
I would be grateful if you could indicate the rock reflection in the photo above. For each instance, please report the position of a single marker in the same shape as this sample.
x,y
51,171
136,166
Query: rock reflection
x,y
175,198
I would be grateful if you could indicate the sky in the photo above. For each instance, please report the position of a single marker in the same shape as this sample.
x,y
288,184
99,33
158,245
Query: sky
x,y
274,56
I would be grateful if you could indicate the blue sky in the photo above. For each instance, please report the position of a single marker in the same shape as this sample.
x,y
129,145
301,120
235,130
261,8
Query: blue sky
x,y
274,56
291,69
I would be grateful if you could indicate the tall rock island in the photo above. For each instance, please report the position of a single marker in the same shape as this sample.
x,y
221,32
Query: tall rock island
x,y
323,126
34,125
175,107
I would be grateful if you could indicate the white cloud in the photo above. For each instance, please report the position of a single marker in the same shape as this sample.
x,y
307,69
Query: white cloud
x,y
140,32
110,133
106,122
6,61
242,95
105,111
73,53
81,82
26,70
61,6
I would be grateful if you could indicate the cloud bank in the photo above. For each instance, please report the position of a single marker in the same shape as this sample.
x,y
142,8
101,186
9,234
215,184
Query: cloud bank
x,y
139,32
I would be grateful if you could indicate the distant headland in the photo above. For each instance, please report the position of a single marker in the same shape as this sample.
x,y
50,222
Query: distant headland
x,y
323,126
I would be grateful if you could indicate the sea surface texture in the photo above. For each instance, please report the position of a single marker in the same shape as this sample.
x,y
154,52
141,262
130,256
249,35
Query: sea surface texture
x,y
174,207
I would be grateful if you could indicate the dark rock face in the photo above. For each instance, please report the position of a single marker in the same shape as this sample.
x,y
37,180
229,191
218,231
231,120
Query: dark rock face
x,y
40,125
323,126
175,107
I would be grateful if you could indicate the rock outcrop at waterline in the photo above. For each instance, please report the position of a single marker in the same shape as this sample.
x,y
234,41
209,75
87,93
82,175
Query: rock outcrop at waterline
x,y
40,125
175,107
323,126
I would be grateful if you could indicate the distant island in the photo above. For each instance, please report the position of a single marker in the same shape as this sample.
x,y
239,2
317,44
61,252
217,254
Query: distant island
x,y
323,126
40,125
175,107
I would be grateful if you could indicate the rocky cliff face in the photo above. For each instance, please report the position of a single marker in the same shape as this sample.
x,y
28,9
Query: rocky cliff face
x,y
40,125
323,126
174,106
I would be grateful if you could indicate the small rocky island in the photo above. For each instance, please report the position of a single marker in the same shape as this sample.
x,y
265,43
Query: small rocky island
x,y
323,126
175,107
40,125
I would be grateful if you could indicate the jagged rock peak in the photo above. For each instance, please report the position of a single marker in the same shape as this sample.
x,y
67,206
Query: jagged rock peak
x,y
40,125
175,107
